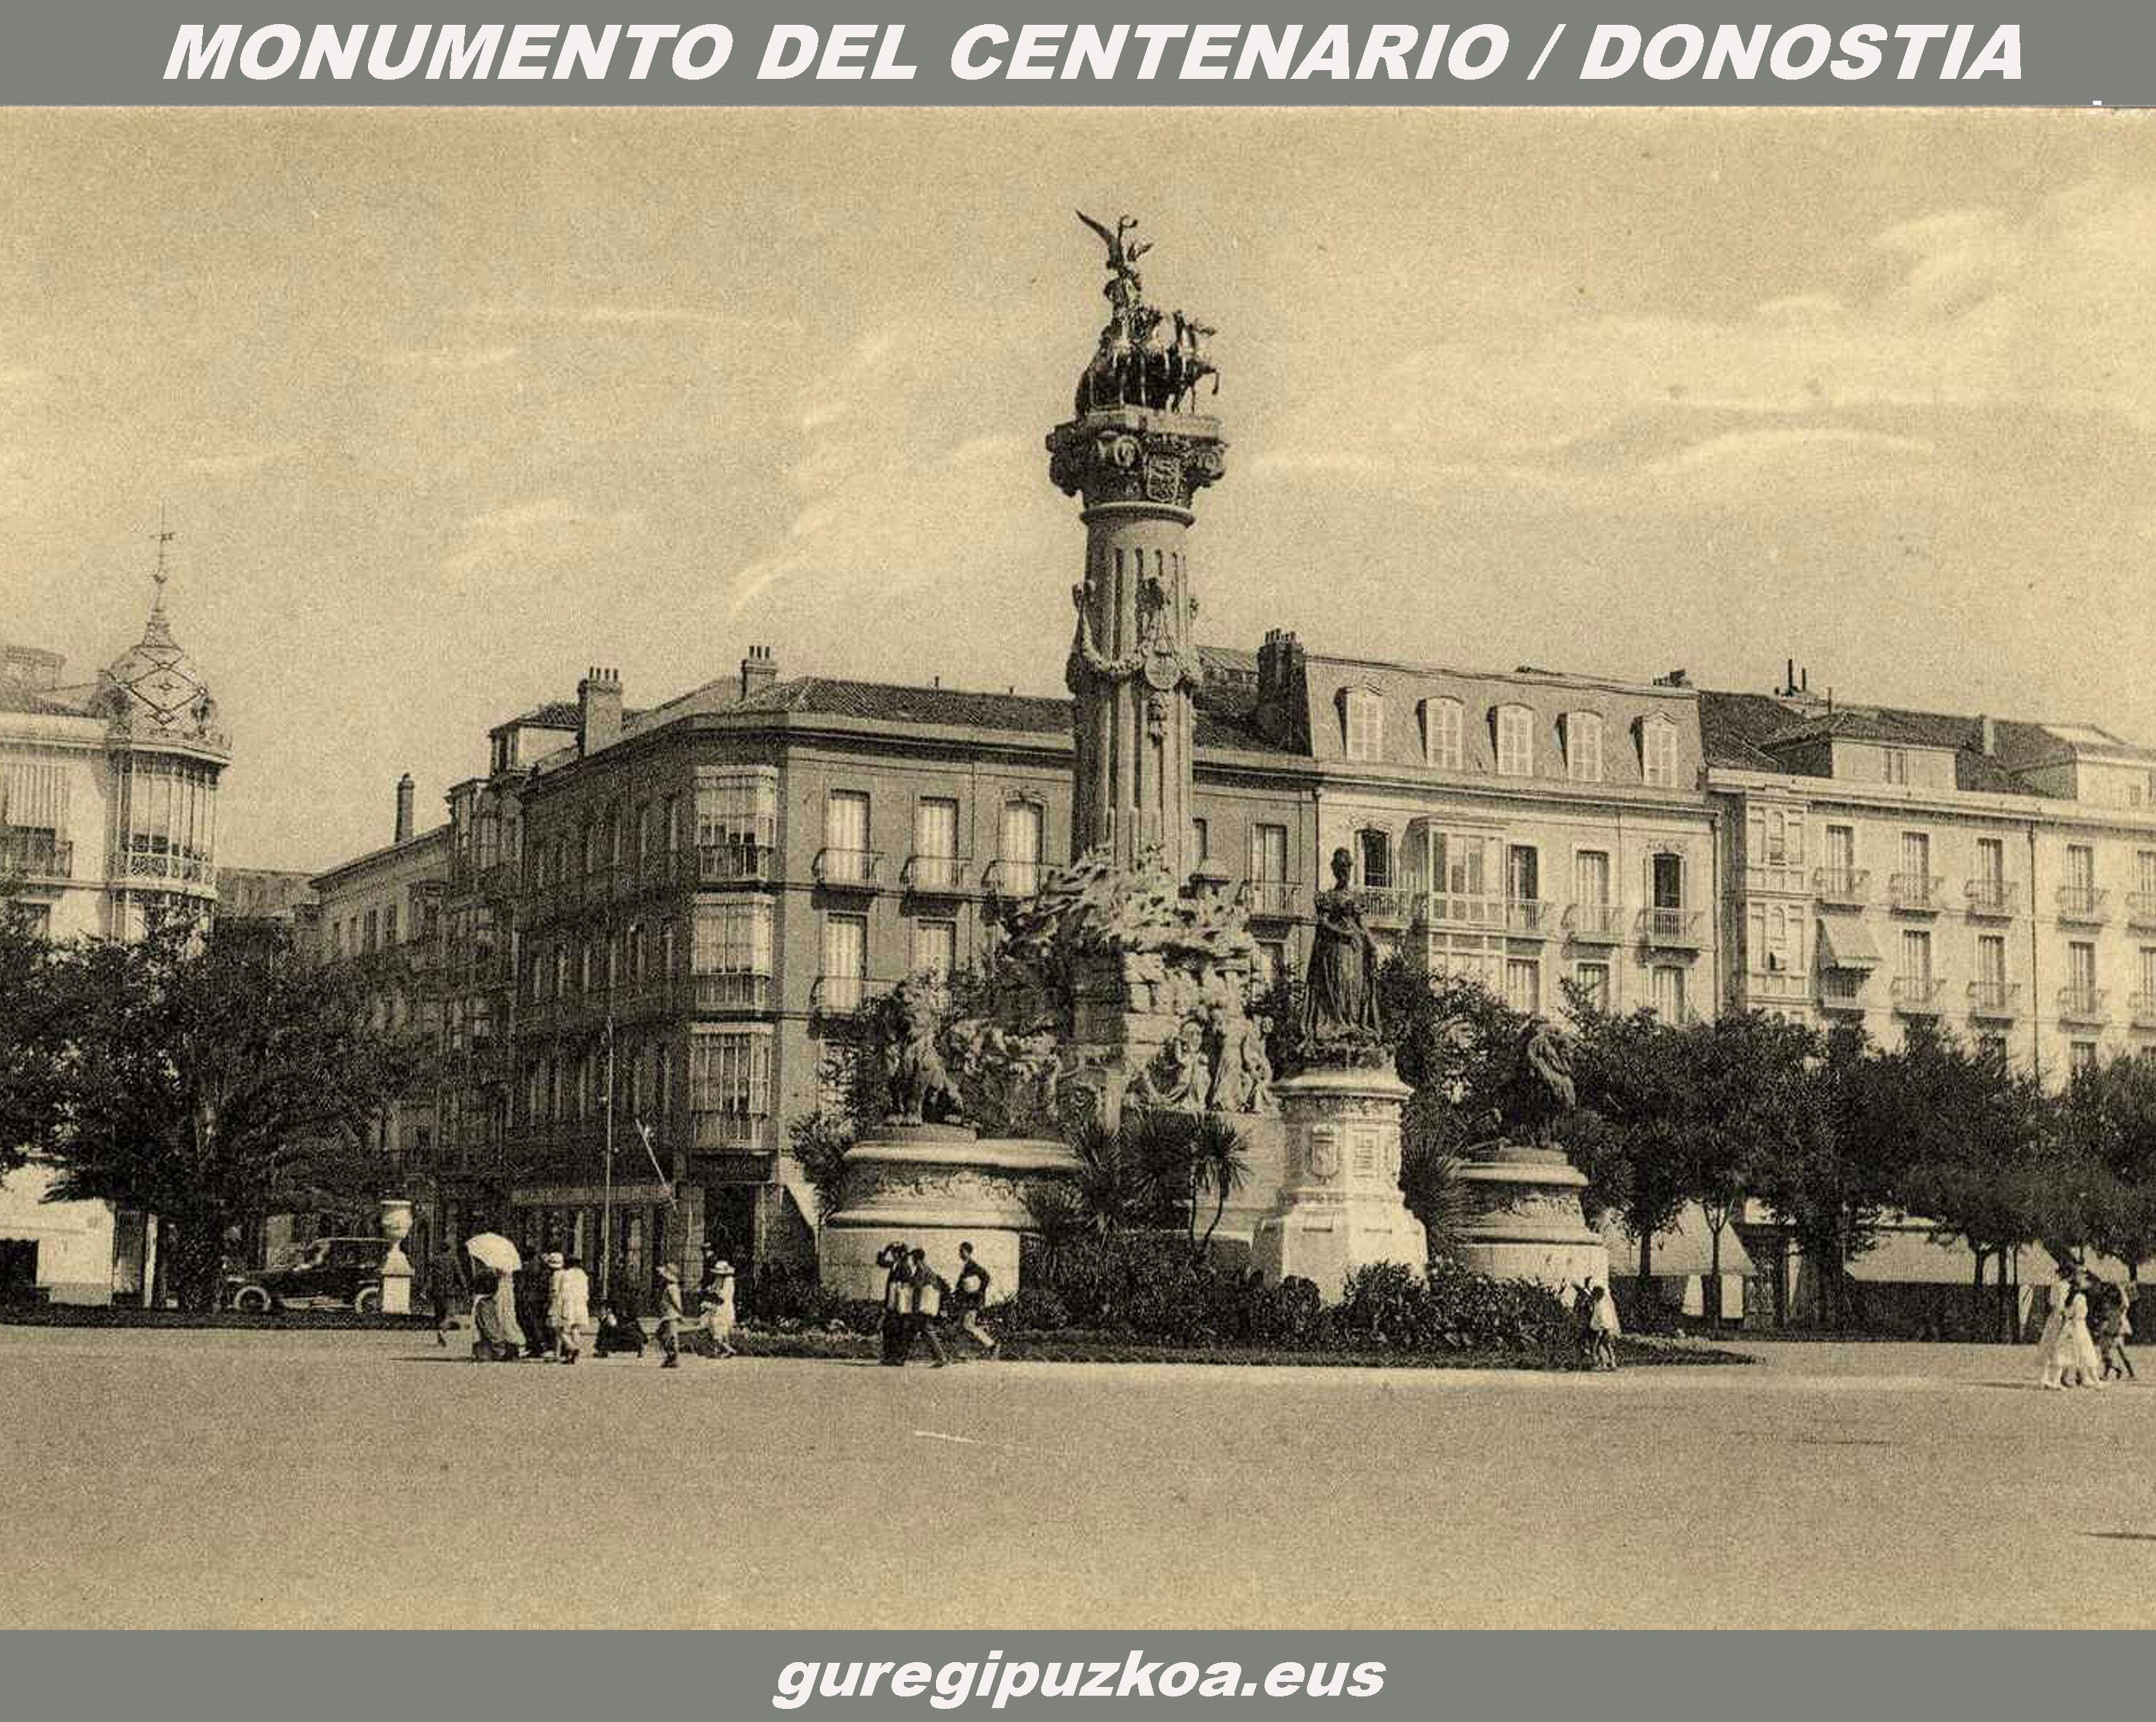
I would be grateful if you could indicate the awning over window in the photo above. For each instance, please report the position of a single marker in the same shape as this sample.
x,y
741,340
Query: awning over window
x,y
1846,944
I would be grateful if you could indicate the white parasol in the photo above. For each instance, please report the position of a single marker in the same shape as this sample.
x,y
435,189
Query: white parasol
x,y
491,1249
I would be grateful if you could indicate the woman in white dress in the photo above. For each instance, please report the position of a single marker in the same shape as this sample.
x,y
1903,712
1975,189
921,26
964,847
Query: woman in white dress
x,y
2079,1366
2048,1359
718,1310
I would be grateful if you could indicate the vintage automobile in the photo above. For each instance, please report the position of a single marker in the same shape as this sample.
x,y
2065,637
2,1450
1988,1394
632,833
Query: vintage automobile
x,y
330,1273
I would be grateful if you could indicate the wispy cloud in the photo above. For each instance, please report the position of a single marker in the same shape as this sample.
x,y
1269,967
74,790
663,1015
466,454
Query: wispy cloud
x,y
523,531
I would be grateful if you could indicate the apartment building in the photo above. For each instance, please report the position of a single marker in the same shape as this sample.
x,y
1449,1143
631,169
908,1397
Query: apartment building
x,y
1887,866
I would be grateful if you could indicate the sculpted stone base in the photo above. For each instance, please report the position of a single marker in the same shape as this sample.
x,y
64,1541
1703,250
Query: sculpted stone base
x,y
1339,1208
1529,1224
934,1186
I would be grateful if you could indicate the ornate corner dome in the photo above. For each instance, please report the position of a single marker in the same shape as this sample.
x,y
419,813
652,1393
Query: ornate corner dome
x,y
155,690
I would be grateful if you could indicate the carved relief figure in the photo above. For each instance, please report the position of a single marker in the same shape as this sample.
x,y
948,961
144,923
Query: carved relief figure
x,y
1242,1074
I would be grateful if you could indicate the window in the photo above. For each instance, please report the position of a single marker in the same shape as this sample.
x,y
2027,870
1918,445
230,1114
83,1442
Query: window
x,y
2144,876
1990,881
1658,752
1590,878
1917,961
2081,1057
732,938
1019,847
1364,711
1523,874
373,929
1583,747
1201,842
1896,763
1991,1044
1840,857
935,844
730,1077
1991,969
1592,981
1670,994
737,814
2081,870
1515,742
1444,733
1374,851
1269,853
935,949
845,961
2148,979
846,837
1665,892
1524,985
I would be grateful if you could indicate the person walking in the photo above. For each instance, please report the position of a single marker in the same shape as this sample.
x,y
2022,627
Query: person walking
x,y
2118,1329
927,1287
536,1285
1602,1324
569,1309
445,1285
970,1297
717,1309
496,1336
2078,1365
2047,1342
897,1304
669,1315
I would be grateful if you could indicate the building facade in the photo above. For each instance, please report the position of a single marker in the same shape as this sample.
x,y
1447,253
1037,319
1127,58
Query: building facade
x,y
108,817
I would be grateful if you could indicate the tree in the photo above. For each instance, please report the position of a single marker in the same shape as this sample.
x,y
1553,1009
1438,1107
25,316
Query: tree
x,y
196,1069
1631,1077
2107,1123
36,1010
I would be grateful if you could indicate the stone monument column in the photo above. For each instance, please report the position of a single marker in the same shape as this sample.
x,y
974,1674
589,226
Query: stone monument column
x,y
1340,1208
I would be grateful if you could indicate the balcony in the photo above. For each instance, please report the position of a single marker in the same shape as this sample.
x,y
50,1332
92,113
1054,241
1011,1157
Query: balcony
x,y
2082,903
935,875
2083,1004
1384,907
1776,986
2142,1009
1672,929
731,993
1270,899
1990,899
735,864
165,868
1916,995
1777,876
2141,911
1842,989
1842,887
1528,918
838,995
1595,923
1995,1001
1446,909
1012,879
1914,893
847,869
40,857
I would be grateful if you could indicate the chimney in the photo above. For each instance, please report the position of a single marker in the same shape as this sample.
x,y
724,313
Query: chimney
x,y
1987,737
1283,708
1675,678
405,807
758,670
598,710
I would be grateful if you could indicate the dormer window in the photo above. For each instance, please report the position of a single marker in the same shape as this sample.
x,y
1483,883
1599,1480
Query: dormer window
x,y
1898,765
1515,742
1658,752
1444,733
1363,715
1583,747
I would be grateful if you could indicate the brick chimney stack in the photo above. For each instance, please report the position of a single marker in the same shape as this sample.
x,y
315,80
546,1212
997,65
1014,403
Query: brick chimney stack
x,y
758,670
405,807
598,710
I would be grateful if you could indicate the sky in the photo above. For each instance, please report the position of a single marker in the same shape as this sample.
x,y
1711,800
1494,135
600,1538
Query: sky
x,y
445,407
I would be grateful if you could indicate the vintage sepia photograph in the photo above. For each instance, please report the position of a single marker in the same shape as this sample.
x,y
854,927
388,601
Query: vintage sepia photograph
x,y
1145,869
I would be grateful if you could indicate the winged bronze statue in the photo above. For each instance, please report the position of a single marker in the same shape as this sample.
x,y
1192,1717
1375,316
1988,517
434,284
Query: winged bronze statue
x,y
1122,254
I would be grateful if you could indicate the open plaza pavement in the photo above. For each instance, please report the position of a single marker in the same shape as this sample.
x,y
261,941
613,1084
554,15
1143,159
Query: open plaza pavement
x,y
235,1479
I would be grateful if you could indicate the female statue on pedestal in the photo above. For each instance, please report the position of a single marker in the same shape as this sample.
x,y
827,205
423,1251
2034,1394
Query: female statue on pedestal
x,y
1340,1022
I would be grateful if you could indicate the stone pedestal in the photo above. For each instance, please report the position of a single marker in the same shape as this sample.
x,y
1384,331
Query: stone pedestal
x,y
1528,1223
396,1265
1340,1208
934,1185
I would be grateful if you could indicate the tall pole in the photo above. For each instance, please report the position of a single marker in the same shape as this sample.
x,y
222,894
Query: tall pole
x,y
606,1206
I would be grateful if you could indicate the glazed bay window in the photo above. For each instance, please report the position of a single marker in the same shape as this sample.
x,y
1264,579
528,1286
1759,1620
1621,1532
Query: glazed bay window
x,y
729,1086
1515,742
737,816
729,954
934,863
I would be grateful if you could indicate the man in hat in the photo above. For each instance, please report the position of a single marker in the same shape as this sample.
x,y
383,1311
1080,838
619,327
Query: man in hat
x,y
669,1315
897,1303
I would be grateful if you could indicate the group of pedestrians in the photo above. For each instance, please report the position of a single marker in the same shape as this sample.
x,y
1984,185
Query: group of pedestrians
x,y
1594,1317
2082,1347
915,1296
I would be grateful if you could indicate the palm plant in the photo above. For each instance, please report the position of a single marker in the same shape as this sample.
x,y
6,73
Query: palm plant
x,y
1220,1163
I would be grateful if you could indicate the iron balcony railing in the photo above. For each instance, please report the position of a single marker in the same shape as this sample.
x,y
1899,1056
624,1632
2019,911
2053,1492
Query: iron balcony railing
x,y
2081,1003
1270,899
36,856
1916,995
935,875
839,994
1528,917
1595,923
1674,929
1992,898
1844,887
1995,998
1915,893
1842,989
2081,903
2141,910
1011,878
848,869
2143,1008
1385,906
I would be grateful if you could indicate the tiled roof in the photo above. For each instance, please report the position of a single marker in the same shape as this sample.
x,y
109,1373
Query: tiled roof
x,y
889,702
16,697
555,714
1739,730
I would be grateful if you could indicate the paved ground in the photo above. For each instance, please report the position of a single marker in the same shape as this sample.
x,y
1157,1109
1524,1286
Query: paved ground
x,y
222,1479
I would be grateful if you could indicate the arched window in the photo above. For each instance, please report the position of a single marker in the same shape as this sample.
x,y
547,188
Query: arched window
x,y
1363,719
1516,741
1444,734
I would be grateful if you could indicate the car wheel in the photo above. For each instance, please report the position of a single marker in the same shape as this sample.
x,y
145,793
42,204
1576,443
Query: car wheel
x,y
251,1300
368,1302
